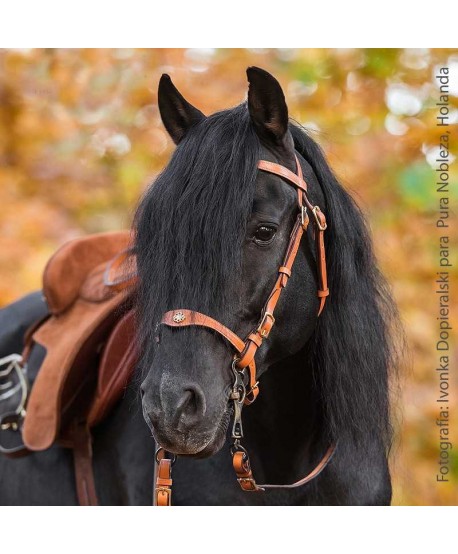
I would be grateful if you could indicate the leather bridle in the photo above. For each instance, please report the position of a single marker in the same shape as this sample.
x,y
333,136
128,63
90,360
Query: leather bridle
x,y
245,387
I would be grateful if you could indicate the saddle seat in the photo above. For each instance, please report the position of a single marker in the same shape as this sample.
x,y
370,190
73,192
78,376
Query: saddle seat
x,y
76,270
88,338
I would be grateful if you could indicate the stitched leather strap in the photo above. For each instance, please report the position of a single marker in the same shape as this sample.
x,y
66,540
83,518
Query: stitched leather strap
x,y
318,218
255,339
82,456
323,290
282,171
163,479
242,468
185,318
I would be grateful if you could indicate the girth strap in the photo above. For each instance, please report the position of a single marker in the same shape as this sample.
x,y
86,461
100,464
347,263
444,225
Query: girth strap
x,y
82,456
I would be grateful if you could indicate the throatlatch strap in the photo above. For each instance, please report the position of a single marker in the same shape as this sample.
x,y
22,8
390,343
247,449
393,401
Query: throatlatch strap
x,y
319,220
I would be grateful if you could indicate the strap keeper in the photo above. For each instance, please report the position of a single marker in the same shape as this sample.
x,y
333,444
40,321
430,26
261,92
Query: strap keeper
x,y
254,337
304,217
163,482
323,293
285,274
285,270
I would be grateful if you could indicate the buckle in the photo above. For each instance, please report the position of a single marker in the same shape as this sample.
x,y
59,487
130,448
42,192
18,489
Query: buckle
x,y
161,453
320,225
167,492
253,388
247,481
304,217
248,484
264,332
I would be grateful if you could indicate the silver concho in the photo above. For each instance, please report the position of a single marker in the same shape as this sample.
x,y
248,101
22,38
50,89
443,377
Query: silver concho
x,y
179,317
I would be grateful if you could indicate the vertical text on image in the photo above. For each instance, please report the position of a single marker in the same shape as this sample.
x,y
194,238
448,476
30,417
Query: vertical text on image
x,y
442,283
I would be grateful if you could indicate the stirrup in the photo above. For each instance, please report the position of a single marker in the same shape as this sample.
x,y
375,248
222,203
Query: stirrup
x,y
11,420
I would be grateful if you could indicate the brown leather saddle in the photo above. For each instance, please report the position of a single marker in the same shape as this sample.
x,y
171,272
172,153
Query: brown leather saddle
x,y
90,348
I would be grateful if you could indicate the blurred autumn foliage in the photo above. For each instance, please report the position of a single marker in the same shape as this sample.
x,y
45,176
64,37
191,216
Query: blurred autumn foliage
x,y
81,137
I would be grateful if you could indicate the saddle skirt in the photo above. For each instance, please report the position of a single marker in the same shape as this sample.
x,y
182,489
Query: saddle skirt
x,y
88,338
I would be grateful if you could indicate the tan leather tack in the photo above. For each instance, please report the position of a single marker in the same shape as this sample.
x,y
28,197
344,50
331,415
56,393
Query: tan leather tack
x,y
281,171
242,468
246,349
82,458
163,491
189,317
116,368
69,267
121,272
90,352
90,356
246,354
71,341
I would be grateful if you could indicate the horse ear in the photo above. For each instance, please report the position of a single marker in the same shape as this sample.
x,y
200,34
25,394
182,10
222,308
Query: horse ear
x,y
267,106
177,114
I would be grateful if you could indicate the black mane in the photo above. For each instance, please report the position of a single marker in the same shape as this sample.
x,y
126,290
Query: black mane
x,y
353,351
210,181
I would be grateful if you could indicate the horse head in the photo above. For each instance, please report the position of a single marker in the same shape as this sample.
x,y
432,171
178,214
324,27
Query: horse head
x,y
211,234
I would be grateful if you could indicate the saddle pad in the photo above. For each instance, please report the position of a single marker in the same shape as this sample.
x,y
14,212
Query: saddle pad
x,y
67,378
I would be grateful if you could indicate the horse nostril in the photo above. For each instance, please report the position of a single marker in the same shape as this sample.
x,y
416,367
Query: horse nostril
x,y
192,406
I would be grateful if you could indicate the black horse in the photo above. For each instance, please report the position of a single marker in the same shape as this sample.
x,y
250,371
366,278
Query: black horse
x,y
210,235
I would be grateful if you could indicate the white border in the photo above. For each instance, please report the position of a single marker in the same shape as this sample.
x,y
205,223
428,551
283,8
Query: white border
x,y
227,23
220,530
253,24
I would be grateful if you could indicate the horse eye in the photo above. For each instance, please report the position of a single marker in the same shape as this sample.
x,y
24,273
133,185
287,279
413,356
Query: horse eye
x,y
264,234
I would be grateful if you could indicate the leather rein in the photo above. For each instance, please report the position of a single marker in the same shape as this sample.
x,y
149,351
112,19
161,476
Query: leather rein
x,y
245,387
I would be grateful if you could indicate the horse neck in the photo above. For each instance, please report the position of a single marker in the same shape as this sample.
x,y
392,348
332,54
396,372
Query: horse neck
x,y
283,428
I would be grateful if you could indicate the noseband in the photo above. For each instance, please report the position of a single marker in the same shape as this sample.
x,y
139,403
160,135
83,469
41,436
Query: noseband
x,y
245,387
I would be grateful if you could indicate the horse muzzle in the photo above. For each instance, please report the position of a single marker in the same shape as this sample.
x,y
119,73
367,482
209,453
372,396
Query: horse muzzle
x,y
181,420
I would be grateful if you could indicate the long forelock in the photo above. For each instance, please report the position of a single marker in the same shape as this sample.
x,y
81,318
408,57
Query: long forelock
x,y
191,222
